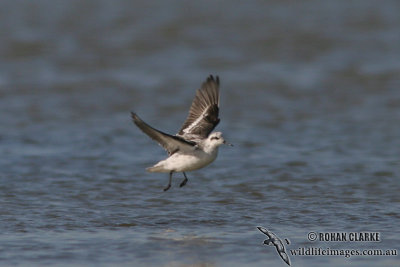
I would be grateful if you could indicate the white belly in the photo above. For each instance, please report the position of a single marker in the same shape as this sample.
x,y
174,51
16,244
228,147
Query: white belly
x,y
185,162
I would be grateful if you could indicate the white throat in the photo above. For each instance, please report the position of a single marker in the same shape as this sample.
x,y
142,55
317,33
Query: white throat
x,y
210,147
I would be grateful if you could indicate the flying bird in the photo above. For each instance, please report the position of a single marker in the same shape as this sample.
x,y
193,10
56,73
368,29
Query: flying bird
x,y
194,146
273,240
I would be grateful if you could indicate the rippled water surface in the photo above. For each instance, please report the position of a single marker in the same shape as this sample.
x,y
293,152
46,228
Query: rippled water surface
x,y
309,97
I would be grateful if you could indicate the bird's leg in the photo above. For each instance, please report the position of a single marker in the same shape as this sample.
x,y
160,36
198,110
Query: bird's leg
x,y
184,181
169,183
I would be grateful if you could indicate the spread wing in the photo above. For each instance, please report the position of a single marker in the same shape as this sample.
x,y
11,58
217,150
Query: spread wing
x,y
169,142
266,232
203,114
285,257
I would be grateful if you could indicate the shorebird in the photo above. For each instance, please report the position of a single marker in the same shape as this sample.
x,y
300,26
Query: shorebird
x,y
194,146
273,240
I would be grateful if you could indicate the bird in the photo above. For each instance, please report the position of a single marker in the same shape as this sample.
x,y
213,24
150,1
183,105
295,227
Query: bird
x,y
273,240
195,145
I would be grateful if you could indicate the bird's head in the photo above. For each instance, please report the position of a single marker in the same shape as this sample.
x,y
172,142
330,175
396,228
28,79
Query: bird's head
x,y
268,242
215,139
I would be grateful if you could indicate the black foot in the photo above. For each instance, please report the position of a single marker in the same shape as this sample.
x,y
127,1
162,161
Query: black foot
x,y
183,182
169,182
168,187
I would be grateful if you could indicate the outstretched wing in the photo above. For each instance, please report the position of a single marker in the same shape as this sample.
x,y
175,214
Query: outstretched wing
x,y
203,114
169,142
285,257
266,232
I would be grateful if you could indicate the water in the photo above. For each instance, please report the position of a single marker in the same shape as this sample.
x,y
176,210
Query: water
x,y
310,99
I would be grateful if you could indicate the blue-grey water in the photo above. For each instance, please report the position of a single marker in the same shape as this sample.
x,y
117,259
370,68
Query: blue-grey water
x,y
310,98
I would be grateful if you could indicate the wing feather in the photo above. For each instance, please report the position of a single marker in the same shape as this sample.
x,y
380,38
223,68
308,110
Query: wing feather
x,y
203,113
170,143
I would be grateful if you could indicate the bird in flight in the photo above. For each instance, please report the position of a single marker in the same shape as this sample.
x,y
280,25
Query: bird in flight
x,y
194,146
273,240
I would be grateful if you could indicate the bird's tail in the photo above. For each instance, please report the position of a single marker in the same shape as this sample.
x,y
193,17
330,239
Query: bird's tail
x,y
153,169
157,168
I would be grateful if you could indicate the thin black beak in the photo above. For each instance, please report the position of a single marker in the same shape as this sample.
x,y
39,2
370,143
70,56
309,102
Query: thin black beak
x,y
228,144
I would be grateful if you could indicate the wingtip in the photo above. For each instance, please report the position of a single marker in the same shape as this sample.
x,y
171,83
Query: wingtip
x,y
134,117
212,79
262,229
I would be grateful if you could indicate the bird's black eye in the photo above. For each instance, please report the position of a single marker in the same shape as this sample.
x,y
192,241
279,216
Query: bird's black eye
x,y
214,137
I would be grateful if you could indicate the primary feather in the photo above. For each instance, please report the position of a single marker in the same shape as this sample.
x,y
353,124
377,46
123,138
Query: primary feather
x,y
203,113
